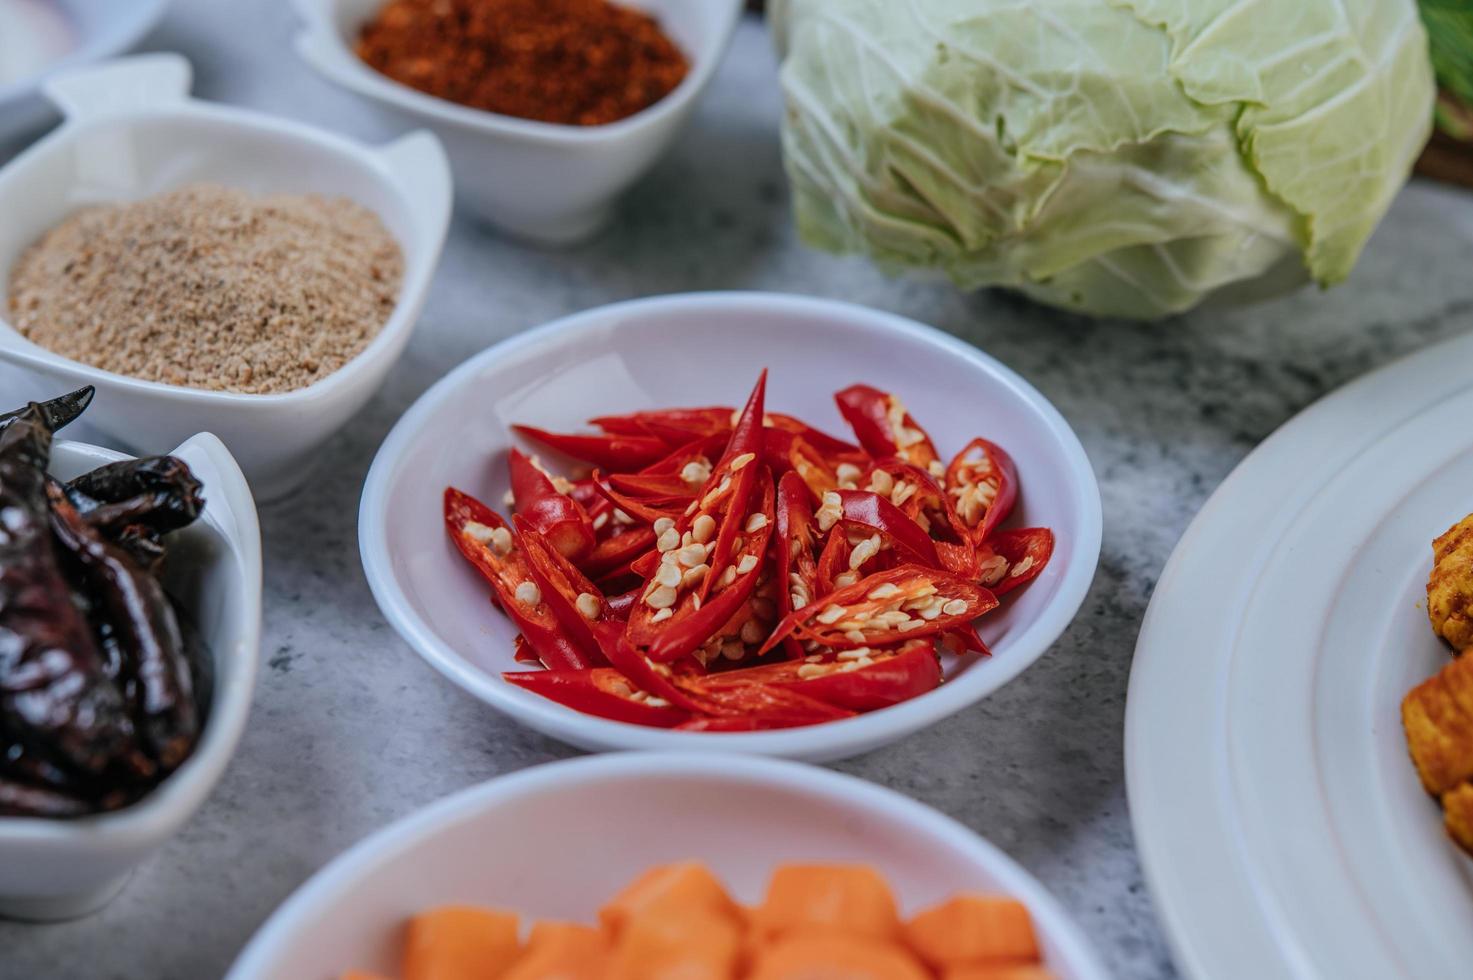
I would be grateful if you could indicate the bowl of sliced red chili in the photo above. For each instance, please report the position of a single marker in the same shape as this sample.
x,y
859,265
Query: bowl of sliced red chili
x,y
548,109
645,526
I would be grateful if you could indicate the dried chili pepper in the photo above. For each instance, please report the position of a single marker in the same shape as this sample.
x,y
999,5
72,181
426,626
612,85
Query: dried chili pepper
x,y
135,605
52,681
57,413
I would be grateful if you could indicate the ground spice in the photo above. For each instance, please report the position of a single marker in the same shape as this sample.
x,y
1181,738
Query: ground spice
x,y
211,287
577,62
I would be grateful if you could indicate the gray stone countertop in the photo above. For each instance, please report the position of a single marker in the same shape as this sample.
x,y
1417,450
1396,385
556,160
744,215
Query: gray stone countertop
x,y
350,730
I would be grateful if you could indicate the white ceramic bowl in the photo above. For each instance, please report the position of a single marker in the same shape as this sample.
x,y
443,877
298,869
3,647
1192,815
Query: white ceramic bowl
x,y
558,840
79,31
57,869
131,130
547,183
702,349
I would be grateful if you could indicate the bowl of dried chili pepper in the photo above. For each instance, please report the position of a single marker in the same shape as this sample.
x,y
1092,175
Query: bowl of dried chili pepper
x,y
548,109
130,618
712,565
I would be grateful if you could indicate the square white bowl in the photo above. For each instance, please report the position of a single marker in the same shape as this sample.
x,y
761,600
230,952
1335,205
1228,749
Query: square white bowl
x,y
702,349
131,130
60,869
558,840
543,182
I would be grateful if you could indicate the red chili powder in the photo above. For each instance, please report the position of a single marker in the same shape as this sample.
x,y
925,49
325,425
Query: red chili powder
x,y
578,62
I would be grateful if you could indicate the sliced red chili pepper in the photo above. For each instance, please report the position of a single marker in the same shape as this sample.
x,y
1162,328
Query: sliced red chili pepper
x,y
1010,558
872,680
870,510
727,494
965,639
603,692
982,483
833,564
619,550
555,516
490,545
694,618
675,426
885,428
615,453
759,706
655,489
640,509
576,603
522,651
796,567
902,603
784,451
619,605
833,450
921,499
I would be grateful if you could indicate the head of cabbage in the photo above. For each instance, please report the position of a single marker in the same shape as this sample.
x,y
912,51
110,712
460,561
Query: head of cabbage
x,y
1117,157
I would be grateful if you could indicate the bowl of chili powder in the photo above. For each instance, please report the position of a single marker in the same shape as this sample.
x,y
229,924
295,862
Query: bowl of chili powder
x,y
549,109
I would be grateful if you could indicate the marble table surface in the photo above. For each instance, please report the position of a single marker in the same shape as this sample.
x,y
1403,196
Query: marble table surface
x,y
350,730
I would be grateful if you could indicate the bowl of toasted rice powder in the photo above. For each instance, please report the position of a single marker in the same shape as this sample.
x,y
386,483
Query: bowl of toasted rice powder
x,y
209,268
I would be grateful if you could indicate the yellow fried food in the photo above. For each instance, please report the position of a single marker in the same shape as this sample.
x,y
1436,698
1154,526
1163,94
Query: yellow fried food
x,y
1450,587
1438,717
1457,809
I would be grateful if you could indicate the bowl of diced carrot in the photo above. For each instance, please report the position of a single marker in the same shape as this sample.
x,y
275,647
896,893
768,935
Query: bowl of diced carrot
x,y
650,866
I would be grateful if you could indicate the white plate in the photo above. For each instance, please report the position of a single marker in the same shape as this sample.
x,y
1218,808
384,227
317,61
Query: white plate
x,y
702,349
558,840
1281,825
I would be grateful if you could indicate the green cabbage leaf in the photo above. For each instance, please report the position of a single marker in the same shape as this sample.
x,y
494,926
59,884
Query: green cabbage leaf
x,y
1117,157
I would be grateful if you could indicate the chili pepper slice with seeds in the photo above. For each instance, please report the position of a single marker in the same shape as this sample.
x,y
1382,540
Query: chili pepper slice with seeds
x,y
1008,559
862,679
616,452
885,428
552,514
983,484
487,542
901,603
601,691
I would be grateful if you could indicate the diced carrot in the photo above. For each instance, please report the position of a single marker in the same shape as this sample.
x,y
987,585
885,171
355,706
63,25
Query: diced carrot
x,y
983,972
840,898
688,886
974,929
460,942
690,945
833,956
560,951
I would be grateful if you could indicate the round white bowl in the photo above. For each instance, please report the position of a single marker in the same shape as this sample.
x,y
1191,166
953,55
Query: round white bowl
x,y
543,182
702,349
60,869
92,30
556,841
131,131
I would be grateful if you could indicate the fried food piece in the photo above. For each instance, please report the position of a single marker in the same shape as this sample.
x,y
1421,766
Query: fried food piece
x,y
1457,809
1450,587
1438,717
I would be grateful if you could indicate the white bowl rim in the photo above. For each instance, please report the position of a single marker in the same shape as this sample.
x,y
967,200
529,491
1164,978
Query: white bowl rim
x,y
421,256
352,73
147,14
1050,918
186,788
828,740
